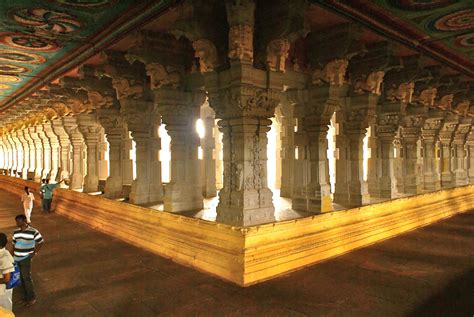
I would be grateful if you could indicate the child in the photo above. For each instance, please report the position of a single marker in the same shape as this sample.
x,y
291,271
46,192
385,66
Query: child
x,y
6,267
27,198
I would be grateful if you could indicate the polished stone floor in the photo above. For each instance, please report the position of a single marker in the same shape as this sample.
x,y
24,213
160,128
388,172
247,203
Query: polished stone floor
x,y
81,272
282,205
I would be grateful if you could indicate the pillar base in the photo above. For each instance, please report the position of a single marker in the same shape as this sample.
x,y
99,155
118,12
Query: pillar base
x,y
139,193
447,180
236,216
460,178
312,205
91,184
76,181
182,197
113,187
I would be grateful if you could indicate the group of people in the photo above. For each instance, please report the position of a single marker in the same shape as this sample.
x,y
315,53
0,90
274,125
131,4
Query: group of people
x,y
26,243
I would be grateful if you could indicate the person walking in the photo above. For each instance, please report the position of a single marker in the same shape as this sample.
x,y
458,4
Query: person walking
x,y
47,192
27,198
27,241
6,267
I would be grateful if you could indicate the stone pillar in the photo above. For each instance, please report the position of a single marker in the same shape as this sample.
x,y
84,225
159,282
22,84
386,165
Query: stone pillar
x,y
287,148
127,162
384,184
17,154
77,143
411,124
431,173
90,129
38,146
46,170
114,127
26,153
102,169
180,111
446,138
208,143
470,156
218,158
144,122
32,152
64,150
54,144
353,121
245,197
459,142
311,187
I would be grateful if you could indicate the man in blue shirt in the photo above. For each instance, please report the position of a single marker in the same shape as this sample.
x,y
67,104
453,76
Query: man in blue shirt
x,y
27,241
46,191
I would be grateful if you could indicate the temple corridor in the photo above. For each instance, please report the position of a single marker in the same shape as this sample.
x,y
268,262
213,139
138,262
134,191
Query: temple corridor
x,y
81,272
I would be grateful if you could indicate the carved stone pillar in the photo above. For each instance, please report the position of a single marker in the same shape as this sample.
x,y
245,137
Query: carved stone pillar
x,y
353,121
9,154
102,169
385,183
431,173
77,143
90,129
26,153
114,127
412,122
27,132
143,123
46,171
470,156
179,111
287,149
446,138
54,144
244,110
311,187
64,150
127,162
38,146
459,142
17,154
208,143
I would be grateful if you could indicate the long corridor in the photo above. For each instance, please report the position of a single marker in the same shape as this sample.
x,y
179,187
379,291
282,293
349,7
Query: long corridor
x,y
81,272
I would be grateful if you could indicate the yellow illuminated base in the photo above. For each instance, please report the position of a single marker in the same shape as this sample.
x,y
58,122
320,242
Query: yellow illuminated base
x,y
253,254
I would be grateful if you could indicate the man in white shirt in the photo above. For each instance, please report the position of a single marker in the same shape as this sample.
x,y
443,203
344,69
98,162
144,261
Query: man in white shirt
x,y
6,267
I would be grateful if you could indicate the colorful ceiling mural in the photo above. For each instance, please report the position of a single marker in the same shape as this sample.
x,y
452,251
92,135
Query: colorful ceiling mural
x,y
451,22
40,39
442,29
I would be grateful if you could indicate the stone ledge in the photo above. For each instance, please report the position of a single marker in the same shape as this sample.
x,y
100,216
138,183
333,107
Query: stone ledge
x,y
253,254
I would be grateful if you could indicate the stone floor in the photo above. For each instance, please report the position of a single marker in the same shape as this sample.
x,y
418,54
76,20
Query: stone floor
x,y
81,272
282,205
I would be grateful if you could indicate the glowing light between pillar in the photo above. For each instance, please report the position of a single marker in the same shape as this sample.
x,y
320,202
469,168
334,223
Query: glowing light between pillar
x,y
200,129
165,154
271,155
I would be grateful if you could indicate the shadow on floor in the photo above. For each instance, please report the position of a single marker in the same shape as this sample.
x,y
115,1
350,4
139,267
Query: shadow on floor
x,y
456,299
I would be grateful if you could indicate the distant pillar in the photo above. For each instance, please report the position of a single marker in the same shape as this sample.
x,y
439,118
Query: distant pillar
x,y
208,147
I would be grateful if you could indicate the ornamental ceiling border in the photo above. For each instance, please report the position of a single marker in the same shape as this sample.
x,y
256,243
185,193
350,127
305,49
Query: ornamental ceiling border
x,y
432,27
40,40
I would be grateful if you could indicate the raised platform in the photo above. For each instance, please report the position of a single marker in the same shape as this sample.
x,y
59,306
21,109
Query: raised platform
x,y
253,254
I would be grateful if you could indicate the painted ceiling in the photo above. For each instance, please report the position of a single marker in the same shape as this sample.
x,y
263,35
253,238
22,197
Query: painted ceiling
x,y
40,39
440,29
446,21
